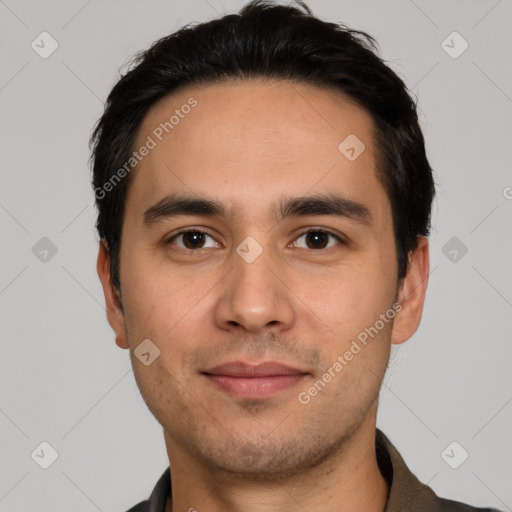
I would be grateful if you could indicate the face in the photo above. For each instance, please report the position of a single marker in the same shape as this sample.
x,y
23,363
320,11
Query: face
x,y
258,286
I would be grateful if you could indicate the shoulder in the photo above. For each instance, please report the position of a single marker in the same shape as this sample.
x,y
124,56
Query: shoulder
x,y
158,499
446,505
143,506
406,491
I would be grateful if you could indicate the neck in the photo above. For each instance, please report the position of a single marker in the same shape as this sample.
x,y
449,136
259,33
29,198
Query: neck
x,y
349,480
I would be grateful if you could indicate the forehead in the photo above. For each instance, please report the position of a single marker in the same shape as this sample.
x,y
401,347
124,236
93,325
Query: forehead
x,y
252,141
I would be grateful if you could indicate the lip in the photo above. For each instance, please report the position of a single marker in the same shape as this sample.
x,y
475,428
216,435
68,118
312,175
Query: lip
x,y
250,381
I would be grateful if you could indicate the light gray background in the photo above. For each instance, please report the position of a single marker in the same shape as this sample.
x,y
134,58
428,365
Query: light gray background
x,y
62,378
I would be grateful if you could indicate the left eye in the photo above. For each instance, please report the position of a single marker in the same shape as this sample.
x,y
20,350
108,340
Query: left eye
x,y
316,239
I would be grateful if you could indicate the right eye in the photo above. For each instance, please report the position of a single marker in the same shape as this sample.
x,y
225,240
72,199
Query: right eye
x,y
191,239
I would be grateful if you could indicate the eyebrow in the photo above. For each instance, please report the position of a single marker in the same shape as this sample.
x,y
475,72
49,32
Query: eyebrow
x,y
328,204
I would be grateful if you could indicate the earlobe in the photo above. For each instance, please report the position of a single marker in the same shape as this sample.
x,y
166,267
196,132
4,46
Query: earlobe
x,y
113,306
411,295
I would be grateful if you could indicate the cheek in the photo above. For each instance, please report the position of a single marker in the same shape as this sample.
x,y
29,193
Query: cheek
x,y
162,306
350,301
154,298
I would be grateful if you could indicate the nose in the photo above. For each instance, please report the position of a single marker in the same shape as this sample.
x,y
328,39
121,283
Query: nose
x,y
254,297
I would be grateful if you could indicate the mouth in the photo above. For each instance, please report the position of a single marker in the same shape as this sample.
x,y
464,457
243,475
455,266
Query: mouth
x,y
259,381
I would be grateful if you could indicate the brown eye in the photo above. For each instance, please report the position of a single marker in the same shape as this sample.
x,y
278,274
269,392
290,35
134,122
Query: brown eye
x,y
192,239
317,239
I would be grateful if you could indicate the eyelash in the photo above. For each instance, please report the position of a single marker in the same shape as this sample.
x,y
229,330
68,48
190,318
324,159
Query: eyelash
x,y
310,230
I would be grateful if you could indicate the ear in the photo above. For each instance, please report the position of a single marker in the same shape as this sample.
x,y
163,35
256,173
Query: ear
x,y
411,295
114,308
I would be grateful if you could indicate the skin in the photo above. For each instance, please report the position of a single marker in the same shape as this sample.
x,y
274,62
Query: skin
x,y
248,145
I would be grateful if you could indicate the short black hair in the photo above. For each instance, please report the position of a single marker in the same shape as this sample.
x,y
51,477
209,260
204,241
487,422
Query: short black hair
x,y
270,41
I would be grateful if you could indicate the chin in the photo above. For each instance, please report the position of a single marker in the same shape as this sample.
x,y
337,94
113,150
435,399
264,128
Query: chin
x,y
267,457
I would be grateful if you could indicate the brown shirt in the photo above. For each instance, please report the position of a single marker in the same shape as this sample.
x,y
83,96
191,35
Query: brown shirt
x,y
406,492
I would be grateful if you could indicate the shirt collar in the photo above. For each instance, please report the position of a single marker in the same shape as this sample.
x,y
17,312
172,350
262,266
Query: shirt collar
x,y
406,492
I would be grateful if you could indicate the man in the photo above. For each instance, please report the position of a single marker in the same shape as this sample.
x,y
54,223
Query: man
x,y
264,201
